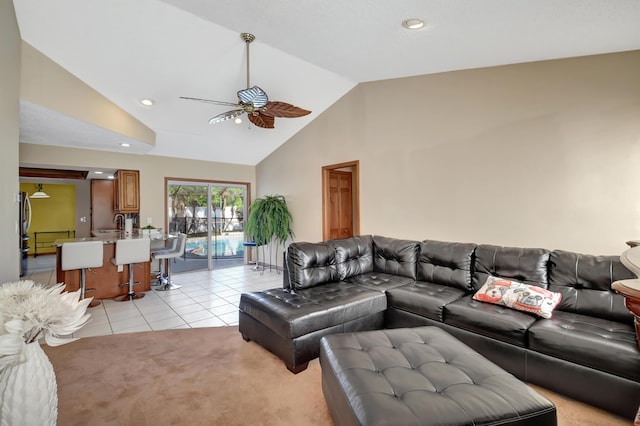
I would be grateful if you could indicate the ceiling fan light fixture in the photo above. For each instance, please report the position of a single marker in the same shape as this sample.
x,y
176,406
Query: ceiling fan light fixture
x,y
413,24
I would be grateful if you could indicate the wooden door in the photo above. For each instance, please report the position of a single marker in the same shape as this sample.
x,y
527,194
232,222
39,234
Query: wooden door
x,y
340,204
341,200
102,209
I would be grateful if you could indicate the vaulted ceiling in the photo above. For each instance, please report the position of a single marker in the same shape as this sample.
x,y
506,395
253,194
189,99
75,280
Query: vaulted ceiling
x,y
307,53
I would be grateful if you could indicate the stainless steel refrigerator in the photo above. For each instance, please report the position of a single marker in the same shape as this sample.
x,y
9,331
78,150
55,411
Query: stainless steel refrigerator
x,y
23,225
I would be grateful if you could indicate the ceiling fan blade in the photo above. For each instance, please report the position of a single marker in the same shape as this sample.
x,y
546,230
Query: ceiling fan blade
x,y
254,96
262,120
283,109
226,116
209,101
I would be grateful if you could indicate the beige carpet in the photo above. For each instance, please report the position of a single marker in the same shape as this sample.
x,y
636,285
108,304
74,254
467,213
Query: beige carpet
x,y
204,376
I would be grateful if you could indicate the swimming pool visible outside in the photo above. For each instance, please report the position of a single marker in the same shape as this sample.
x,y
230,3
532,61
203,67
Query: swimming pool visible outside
x,y
225,245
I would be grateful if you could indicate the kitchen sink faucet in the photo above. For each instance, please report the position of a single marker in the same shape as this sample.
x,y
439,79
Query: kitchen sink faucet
x,y
115,220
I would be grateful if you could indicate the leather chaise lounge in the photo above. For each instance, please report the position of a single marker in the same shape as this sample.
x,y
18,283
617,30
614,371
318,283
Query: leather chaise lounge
x,y
587,350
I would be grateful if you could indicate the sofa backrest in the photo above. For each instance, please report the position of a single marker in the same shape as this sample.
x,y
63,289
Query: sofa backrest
x,y
394,256
446,263
526,265
354,255
585,283
311,264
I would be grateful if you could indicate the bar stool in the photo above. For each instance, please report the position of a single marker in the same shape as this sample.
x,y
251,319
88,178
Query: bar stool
x,y
160,272
129,252
166,255
83,255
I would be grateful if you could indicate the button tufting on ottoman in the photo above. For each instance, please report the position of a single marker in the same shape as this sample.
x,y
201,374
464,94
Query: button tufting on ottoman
x,y
291,323
422,376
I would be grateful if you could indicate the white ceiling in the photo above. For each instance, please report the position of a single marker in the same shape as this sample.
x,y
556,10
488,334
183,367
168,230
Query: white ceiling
x,y
308,53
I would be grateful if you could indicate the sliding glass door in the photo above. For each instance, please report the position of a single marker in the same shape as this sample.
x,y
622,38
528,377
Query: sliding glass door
x,y
212,214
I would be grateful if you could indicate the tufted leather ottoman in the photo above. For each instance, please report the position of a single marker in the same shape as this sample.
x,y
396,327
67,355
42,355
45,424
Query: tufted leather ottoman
x,y
422,376
291,323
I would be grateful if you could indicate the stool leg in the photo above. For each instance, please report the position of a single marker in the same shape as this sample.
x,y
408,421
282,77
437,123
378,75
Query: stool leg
x,y
131,295
168,284
257,267
83,288
160,278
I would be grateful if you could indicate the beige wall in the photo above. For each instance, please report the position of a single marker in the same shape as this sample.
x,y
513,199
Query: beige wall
x,y
543,154
9,129
47,84
153,170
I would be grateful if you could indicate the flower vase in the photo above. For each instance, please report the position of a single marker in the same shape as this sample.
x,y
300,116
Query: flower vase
x,y
28,391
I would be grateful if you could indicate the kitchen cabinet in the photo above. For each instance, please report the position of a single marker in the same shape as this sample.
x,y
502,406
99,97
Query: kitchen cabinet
x,y
126,194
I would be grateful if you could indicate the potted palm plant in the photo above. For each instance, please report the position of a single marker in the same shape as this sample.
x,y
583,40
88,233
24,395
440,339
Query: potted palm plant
x,y
269,222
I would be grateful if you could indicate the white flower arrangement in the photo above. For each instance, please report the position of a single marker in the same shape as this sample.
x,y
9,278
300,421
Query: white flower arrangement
x,y
29,311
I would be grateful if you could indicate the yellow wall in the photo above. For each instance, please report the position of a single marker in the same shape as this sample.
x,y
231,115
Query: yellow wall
x,y
57,213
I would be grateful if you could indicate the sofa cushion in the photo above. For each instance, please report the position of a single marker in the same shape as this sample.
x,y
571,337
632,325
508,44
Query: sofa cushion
x,y
585,284
446,263
394,256
354,256
423,298
311,264
294,314
379,281
498,322
526,265
593,342
515,295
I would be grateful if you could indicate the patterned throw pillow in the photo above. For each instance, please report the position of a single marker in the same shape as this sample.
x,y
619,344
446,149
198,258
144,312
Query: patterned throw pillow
x,y
523,297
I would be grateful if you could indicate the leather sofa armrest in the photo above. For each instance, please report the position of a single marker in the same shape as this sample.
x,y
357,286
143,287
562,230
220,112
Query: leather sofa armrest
x,y
286,284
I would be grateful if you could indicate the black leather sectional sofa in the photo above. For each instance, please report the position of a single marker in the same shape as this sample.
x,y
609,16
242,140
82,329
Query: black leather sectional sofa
x,y
587,350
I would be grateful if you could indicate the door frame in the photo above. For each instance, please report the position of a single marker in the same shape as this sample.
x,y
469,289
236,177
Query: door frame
x,y
355,188
208,183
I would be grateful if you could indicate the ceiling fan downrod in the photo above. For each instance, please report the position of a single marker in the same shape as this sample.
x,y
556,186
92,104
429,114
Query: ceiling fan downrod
x,y
247,38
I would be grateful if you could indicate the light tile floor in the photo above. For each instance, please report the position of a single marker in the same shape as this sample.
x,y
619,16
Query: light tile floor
x,y
206,299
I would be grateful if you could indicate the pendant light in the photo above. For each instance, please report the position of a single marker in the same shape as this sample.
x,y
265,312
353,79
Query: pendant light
x,y
39,193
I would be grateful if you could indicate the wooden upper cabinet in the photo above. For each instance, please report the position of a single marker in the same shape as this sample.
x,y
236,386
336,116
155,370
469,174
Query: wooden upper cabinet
x,y
126,194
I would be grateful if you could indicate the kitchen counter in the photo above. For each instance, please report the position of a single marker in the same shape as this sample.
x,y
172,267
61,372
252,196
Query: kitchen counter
x,y
110,236
107,280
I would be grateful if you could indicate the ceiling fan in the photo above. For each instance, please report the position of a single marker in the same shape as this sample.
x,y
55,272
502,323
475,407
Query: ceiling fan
x,y
254,102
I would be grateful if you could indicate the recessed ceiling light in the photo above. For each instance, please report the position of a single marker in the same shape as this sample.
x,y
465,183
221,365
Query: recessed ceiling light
x,y
413,23
126,145
98,172
110,177
147,102
238,120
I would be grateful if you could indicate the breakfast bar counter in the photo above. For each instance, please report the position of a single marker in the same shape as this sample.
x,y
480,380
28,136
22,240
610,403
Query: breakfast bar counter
x,y
105,280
